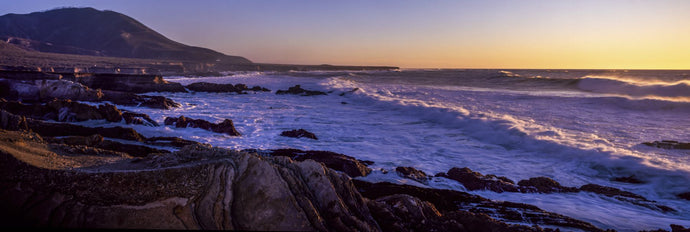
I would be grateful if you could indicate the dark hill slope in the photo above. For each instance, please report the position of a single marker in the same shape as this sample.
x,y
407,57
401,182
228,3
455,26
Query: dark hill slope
x,y
88,31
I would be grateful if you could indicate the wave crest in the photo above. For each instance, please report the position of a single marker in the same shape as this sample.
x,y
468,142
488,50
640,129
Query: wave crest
x,y
674,91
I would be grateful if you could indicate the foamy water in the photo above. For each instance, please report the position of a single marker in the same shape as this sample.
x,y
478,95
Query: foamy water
x,y
515,124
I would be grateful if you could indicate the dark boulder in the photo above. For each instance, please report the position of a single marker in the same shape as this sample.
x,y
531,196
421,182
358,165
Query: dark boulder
x,y
298,134
476,181
412,173
679,228
298,90
226,127
335,161
9,121
668,144
544,185
158,102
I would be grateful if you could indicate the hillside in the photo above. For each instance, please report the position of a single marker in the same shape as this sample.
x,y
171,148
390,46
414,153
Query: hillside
x,y
87,31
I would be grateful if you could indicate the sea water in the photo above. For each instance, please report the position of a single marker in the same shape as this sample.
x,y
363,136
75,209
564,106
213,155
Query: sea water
x,y
574,126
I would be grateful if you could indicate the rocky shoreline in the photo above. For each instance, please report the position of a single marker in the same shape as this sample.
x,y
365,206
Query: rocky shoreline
x,y
56,174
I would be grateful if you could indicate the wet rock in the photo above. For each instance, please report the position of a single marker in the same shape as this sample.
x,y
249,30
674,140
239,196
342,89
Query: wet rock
x,y
393,204
170,141
66,129
158,102
544,185
668,144
222,88
609,191
298,134
336,161
476,181
412,173
685,195
298,90
138,118
110,112
226,127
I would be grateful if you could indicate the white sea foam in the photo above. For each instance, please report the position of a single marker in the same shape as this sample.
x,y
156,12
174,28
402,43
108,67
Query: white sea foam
x,y
675,91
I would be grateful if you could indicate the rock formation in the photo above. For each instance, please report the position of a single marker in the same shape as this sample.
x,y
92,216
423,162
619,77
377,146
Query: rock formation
x,y
336,161
299,134
225,127
668,144
223,88
298,90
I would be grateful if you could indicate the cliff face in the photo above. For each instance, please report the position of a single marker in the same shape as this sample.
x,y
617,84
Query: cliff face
x,y
195,188
88,31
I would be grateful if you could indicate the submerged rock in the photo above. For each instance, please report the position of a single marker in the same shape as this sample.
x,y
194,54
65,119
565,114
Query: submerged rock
x,y
226,127
138,118
298,134
298,90
685,195
336,161
668,144
628,179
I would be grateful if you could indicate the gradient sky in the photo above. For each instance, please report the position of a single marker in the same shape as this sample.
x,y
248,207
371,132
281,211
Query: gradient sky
x,y
622,34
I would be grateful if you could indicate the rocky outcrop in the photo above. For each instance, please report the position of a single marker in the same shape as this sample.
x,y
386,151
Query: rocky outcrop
x,y
128,83
223,88
138,118
195,188
412,173
410,208
170,141
632,179
476,181
225,127
668,144
299,134
336,161
543,185
298,90
97,141
70,111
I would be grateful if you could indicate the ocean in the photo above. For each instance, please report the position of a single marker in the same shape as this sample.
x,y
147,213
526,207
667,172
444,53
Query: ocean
x,y
574,126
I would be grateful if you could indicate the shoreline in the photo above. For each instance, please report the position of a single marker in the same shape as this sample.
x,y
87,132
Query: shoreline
x,y
384,202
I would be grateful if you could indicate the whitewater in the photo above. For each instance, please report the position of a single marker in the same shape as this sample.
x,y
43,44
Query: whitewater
x,y
574,126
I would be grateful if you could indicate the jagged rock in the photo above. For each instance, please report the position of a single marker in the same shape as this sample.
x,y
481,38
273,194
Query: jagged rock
x,y
129,83
685,195
65,129
226,127
412,173
340,162
476,181
298,90
222,88
668,144
158,102
544,185
44,90
298,134
458,211
138,118
679,228
170,141
110,113
195,188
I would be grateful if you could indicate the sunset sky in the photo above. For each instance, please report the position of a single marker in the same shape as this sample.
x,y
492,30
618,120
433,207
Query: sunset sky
x,y
632,34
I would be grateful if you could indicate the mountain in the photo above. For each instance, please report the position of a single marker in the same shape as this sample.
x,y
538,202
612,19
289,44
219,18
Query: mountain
x,y
87,31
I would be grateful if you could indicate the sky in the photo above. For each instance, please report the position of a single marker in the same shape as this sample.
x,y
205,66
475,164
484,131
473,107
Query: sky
x,y
563,34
